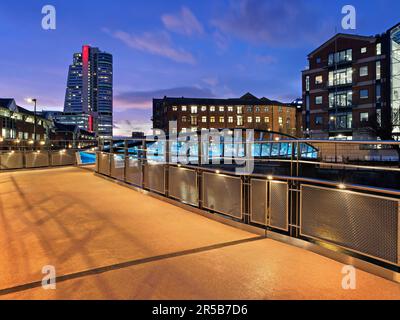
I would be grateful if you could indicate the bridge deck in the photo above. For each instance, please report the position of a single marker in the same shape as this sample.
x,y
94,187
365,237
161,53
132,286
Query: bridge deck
x,y
109,242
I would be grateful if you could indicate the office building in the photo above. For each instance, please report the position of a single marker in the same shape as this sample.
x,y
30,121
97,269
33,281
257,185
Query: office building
x,y
247,112
351,90
89,93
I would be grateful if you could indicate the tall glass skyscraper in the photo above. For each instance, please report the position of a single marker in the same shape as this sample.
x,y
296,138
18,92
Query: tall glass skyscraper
x,y
90,90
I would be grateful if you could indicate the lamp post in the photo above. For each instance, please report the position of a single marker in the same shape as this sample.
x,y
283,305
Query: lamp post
x,y
31,100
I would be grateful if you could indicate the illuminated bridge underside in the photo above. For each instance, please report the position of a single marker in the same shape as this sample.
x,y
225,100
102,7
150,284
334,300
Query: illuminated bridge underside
x,y
110,242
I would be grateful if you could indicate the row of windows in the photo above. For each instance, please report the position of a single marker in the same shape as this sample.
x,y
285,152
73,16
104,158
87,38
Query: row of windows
x,y
239,109
342,121
344,76
343,99
230,119
347,55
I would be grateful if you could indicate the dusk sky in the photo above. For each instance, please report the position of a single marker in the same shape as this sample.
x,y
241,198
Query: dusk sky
x,y
195,48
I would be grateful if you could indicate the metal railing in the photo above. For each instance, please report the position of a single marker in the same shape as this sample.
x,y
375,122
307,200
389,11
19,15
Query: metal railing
x,y
284,195
28,154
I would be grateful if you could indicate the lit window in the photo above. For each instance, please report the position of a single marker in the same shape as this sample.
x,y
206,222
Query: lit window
x,y
204,119
203,108
258,119
266,119
378,70
364,71
364,117
184,108
239,110
280,121
184,130
212,109
221,119
221,109
364,50
174,108
378,49
239,120
184,119
249,119
318,79
230,119
230,109
308,83
193,109
212,119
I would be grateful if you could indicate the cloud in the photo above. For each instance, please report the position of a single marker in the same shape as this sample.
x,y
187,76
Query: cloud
x,y
155,43
274,22
144,99
185,22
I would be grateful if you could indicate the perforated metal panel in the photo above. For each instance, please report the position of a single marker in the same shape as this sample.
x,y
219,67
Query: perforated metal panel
x,y
134,171
36,160
278,215
258,207
11,160
117,167
103,163
183,185
363,223
62,158
154,177
222,194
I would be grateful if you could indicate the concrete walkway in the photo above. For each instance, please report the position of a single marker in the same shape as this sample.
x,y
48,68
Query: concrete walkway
x,y
109,242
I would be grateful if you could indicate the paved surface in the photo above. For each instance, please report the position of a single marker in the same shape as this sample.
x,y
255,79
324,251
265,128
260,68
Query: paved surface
x,y
109,242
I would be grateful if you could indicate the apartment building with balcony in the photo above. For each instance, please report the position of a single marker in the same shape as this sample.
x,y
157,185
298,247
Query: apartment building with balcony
x,y
247,112
351,90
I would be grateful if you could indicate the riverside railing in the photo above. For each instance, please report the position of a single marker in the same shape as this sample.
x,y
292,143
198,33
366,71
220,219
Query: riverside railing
x,y
28,154
327,201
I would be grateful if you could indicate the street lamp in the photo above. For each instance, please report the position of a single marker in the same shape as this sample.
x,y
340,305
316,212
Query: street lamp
x,y
31,100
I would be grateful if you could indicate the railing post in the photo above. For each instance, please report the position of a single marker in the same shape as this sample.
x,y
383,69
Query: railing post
x,y
126,157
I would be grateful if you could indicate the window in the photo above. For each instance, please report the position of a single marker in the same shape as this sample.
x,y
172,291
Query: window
x,y
378,49
341,77
239,120
221,119
266,119
364,117
257,109
212,119
342,56
378,70
318,60
258,119
308,83
212,109
184,108
230,119
364,94
249,119
280,121
249,109
174,108
184,130
193,109
230,109
318,79
318,100
280,109
204,119
184,119
378,93
239,110
364,71
364,50
203,108
341,99
318,120
221,109
193,120
379,117
266,109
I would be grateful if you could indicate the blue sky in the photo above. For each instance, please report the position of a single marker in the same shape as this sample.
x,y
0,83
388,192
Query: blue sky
x,y
187,48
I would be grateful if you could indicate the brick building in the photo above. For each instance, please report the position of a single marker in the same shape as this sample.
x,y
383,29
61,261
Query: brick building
x,y
247,112
351,89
